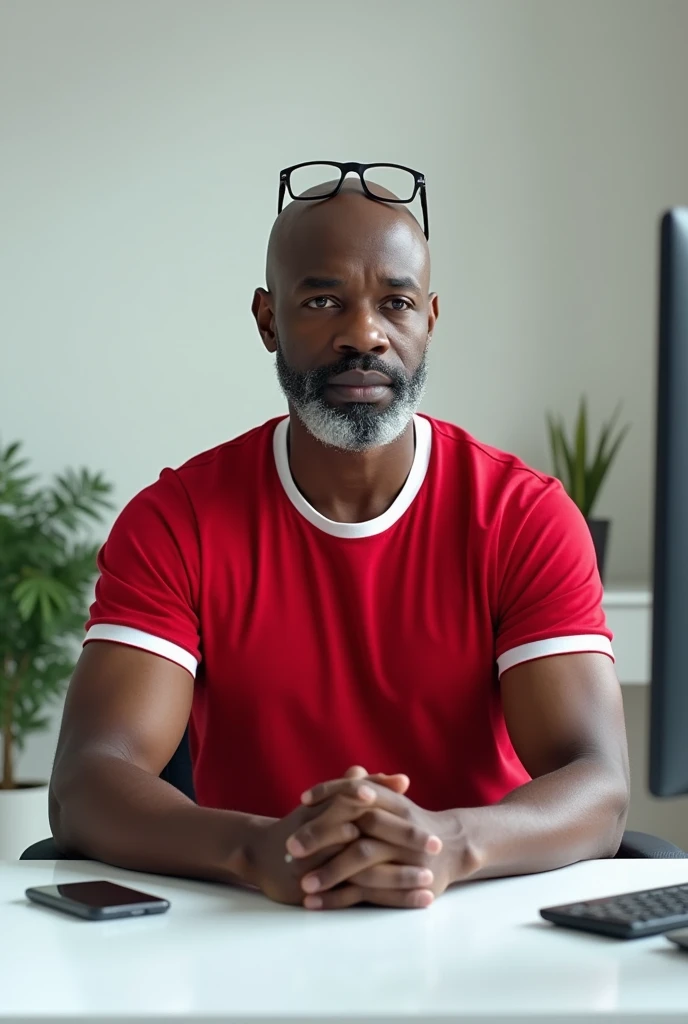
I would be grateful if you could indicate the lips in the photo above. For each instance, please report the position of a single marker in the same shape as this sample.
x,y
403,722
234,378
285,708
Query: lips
x,y
360,379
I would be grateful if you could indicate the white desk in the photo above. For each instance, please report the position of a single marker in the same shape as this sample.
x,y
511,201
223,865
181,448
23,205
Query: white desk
x,y
629,616
480,955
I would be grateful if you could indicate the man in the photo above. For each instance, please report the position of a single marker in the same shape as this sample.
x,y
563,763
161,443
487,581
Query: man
x,y
354,585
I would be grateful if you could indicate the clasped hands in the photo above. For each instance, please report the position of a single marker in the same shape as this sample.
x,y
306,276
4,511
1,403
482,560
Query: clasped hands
x,y
358,839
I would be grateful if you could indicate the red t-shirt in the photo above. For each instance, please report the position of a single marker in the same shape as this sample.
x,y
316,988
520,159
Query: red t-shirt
x,y
317,645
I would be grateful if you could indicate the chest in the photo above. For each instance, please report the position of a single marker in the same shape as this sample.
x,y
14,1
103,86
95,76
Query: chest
x,y
302,620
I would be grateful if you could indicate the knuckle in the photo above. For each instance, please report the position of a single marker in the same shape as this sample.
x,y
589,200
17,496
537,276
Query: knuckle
x,y
306,835
370,819
415,835
365,849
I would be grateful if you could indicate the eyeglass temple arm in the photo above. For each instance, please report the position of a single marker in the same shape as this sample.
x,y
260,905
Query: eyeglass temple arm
x,y
424,205
280,197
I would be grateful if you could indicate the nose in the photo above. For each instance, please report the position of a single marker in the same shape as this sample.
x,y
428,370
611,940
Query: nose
x,y
361,332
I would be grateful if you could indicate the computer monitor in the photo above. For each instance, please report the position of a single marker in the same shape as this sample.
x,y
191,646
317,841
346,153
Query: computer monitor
x,y
669,703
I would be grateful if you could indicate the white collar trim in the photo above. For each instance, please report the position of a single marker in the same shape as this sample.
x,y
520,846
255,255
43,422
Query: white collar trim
x,y
371,527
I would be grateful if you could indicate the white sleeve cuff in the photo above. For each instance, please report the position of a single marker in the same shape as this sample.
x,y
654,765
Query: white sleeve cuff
x,y
146,642
591,643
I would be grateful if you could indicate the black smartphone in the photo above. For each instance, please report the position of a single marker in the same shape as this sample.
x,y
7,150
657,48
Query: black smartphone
x,y
97,901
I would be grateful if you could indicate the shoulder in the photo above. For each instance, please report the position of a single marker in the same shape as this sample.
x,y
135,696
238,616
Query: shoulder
x,y
497,479
205,481
241,450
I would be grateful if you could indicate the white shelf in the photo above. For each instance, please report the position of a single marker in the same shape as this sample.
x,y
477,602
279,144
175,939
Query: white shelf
x,y
629,616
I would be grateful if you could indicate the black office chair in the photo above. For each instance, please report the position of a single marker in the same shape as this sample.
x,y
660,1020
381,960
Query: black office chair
x,y
178,773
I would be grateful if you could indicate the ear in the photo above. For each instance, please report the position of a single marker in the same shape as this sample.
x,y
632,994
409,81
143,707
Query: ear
x,y
262,310
433,312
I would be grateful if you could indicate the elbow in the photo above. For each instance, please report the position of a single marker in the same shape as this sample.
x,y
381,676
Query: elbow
x,y
56,816
61,809
615,813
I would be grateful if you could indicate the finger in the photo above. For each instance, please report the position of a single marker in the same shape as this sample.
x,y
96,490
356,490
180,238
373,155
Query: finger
x,y
349,895
321,835
356,789
327,829
396,831
397,782
323,829
394,876
363,853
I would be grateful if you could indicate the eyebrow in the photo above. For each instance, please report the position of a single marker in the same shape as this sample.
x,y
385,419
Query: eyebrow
x,y
402,282
336,282
320,282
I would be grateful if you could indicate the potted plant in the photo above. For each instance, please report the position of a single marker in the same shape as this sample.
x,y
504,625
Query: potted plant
x,y
47,568
582,475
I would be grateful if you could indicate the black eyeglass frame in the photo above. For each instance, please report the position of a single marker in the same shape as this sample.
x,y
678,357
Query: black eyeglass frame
x,y
359,169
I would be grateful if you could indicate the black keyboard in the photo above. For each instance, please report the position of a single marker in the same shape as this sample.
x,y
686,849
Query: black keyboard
x,y
631,915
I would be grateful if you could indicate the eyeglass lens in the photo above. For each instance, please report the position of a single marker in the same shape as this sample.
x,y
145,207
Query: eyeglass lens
x,y
320,180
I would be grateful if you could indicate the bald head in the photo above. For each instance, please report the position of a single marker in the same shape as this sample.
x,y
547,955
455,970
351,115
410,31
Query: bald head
x,y
346,223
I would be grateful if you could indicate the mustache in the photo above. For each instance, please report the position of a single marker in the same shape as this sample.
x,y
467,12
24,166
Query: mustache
x,y
318,378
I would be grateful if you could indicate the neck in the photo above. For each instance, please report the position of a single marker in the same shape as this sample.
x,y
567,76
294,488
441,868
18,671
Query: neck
x,y
348,487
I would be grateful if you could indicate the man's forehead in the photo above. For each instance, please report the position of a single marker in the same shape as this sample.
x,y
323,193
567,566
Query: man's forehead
x,y
347,231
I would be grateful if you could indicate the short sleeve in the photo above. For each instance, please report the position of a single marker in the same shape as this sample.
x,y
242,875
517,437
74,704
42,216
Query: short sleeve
x,y
147,591
550,592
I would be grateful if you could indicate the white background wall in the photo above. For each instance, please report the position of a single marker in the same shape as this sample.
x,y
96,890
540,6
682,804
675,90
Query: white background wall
x,y
142,141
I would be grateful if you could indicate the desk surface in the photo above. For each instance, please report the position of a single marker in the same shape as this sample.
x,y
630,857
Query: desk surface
x,y
480,954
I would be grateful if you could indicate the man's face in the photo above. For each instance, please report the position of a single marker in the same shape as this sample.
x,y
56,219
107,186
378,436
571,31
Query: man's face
x,y
349,316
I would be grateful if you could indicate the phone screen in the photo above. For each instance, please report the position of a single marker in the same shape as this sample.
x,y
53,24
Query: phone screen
x,y
99,894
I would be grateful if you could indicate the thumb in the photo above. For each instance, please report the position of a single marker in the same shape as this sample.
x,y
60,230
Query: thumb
x,y
398,783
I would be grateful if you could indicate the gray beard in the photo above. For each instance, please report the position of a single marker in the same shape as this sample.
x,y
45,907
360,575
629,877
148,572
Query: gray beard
x,y
356,426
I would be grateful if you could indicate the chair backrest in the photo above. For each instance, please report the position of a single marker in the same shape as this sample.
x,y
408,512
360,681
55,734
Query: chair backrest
x,y
178,771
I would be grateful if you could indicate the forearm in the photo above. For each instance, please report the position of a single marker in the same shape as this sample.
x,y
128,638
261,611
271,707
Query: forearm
x,y
108,808
575,813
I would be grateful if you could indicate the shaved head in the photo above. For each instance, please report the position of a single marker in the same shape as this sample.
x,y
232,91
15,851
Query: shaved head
x,y
320,215
348,281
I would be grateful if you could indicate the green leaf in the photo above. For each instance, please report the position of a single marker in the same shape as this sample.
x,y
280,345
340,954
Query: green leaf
x,y
555,447
605,433
26,596
581,456
10,451
47,569
603,466
583,479
569,462
49,593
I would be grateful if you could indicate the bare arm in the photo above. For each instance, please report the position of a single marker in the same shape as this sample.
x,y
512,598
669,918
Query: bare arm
x,y
125,714
565,719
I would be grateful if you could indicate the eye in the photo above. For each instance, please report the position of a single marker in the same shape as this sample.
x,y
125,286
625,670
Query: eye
x,y
398,304
320,302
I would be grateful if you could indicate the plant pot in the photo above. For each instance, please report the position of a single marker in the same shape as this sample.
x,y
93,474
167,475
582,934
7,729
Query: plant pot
x,y
599,531
23,818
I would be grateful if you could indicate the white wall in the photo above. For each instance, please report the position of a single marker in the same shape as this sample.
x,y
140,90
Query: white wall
x,y
142,141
